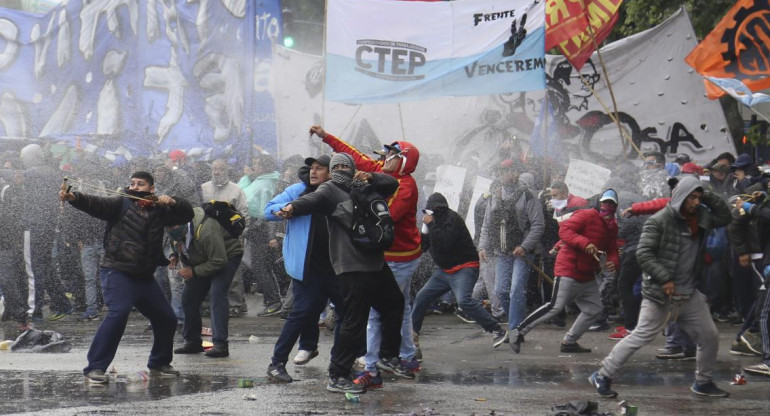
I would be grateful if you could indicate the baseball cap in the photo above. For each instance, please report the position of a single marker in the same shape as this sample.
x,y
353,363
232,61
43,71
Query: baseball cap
x,y
323,159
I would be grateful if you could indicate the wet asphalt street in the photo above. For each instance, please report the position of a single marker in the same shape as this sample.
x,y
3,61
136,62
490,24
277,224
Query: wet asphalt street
x,y
462,375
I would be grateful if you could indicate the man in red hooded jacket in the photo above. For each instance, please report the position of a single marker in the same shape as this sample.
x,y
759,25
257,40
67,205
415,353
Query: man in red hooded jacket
x,y
588,242
403,257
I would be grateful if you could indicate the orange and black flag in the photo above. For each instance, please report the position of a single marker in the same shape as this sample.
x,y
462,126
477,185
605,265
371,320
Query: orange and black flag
x,y
569,25
737,48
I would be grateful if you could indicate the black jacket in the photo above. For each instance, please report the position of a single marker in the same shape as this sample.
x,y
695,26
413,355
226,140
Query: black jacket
x,y
133,242
450,242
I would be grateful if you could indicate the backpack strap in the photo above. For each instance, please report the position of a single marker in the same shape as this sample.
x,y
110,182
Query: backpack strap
x,y
198,229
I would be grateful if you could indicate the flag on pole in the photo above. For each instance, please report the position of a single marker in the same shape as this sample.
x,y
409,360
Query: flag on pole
x,y
381,51
738,48
545,144
568,26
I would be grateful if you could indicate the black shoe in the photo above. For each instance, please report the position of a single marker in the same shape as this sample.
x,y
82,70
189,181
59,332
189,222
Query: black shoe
x,y
393,365
343,385
464,316
516,344
675,354
561,323
573,348
603,385
708,389
277,373
599,326
189,348
164,371
500,336
218,351
96,377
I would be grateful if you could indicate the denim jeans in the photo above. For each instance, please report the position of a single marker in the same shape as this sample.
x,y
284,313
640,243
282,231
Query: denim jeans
x,y
403,272
511,286
195,290
121,294
310,298
90,255
176,285
461,283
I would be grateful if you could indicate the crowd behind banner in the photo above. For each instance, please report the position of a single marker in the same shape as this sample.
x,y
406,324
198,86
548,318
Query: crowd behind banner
x,y
513,261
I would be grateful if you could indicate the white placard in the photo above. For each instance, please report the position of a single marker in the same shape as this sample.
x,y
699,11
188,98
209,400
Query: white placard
x,y
585,179
449,182
479,188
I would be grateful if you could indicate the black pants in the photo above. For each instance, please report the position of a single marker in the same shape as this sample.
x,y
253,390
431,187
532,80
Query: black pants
x,y
629,273
365,290
14,284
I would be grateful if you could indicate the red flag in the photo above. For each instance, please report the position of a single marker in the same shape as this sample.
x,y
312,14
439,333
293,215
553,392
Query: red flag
x,y
567,26
738,47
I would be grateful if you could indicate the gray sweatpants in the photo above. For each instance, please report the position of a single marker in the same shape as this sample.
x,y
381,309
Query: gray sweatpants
x,y
693,317
565,291
486,283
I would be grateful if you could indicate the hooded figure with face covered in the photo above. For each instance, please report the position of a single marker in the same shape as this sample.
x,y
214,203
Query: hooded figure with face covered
x,y
588,244
671,252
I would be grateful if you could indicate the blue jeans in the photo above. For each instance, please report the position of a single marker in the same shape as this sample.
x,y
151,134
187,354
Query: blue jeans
x,y
461,283
90,255
511,286
403,272
310,296
176,286
195,290
121,294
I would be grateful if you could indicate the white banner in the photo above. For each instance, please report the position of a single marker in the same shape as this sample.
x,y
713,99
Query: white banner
x,y
394,51
585,179
660,98
449,182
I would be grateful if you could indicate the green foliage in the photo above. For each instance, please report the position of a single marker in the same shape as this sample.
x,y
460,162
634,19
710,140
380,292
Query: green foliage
x,y
638,15
757,134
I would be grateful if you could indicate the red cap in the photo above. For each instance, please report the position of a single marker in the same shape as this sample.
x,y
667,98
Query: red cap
x,y
177,155
690,167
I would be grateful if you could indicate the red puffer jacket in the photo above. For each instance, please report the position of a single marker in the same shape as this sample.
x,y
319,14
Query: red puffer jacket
x,y
585,227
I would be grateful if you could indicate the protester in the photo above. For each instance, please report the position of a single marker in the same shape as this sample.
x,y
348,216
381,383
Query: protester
x,y
133,250
367,279
306,256
207,256
670,252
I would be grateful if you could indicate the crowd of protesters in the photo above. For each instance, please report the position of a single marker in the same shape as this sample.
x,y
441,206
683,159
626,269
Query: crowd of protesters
x,y
662,240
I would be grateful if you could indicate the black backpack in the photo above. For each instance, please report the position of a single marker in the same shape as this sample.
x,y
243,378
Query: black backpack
x,y
367,218
230,218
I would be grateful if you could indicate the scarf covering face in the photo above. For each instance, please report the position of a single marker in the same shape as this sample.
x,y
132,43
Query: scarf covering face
x,y
342,177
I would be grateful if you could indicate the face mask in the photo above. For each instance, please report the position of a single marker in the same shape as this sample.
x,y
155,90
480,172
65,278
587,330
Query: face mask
x,y
607,210
559,203
179,233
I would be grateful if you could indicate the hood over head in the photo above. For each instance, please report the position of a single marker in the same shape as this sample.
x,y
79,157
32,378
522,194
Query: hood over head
x,y
32,155
685,187
437,203
409,156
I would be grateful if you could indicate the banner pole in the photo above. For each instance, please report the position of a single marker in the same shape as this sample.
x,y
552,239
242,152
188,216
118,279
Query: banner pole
x,y
323,92
401,117
606,78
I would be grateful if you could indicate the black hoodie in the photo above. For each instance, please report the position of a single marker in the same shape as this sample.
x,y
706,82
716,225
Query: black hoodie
x,y
449,241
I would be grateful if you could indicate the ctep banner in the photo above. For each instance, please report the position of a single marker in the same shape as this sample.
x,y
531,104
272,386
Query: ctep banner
x,y
382,51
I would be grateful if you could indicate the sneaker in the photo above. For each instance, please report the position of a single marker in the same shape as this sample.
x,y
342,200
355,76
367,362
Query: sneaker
x,y
516,344
708,389
303,357
189,348
603,385
412,365
96,377
762,369
675,354
752,341
277,373
343,385
367,381
271,310
599,326
218,351
617,336
57,316
393,366
331,318
573,347
561,323
499,337
165,371
464,316
89,315
235,312
739,348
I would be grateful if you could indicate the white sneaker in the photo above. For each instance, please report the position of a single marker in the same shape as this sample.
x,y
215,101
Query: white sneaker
x,y
303,357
